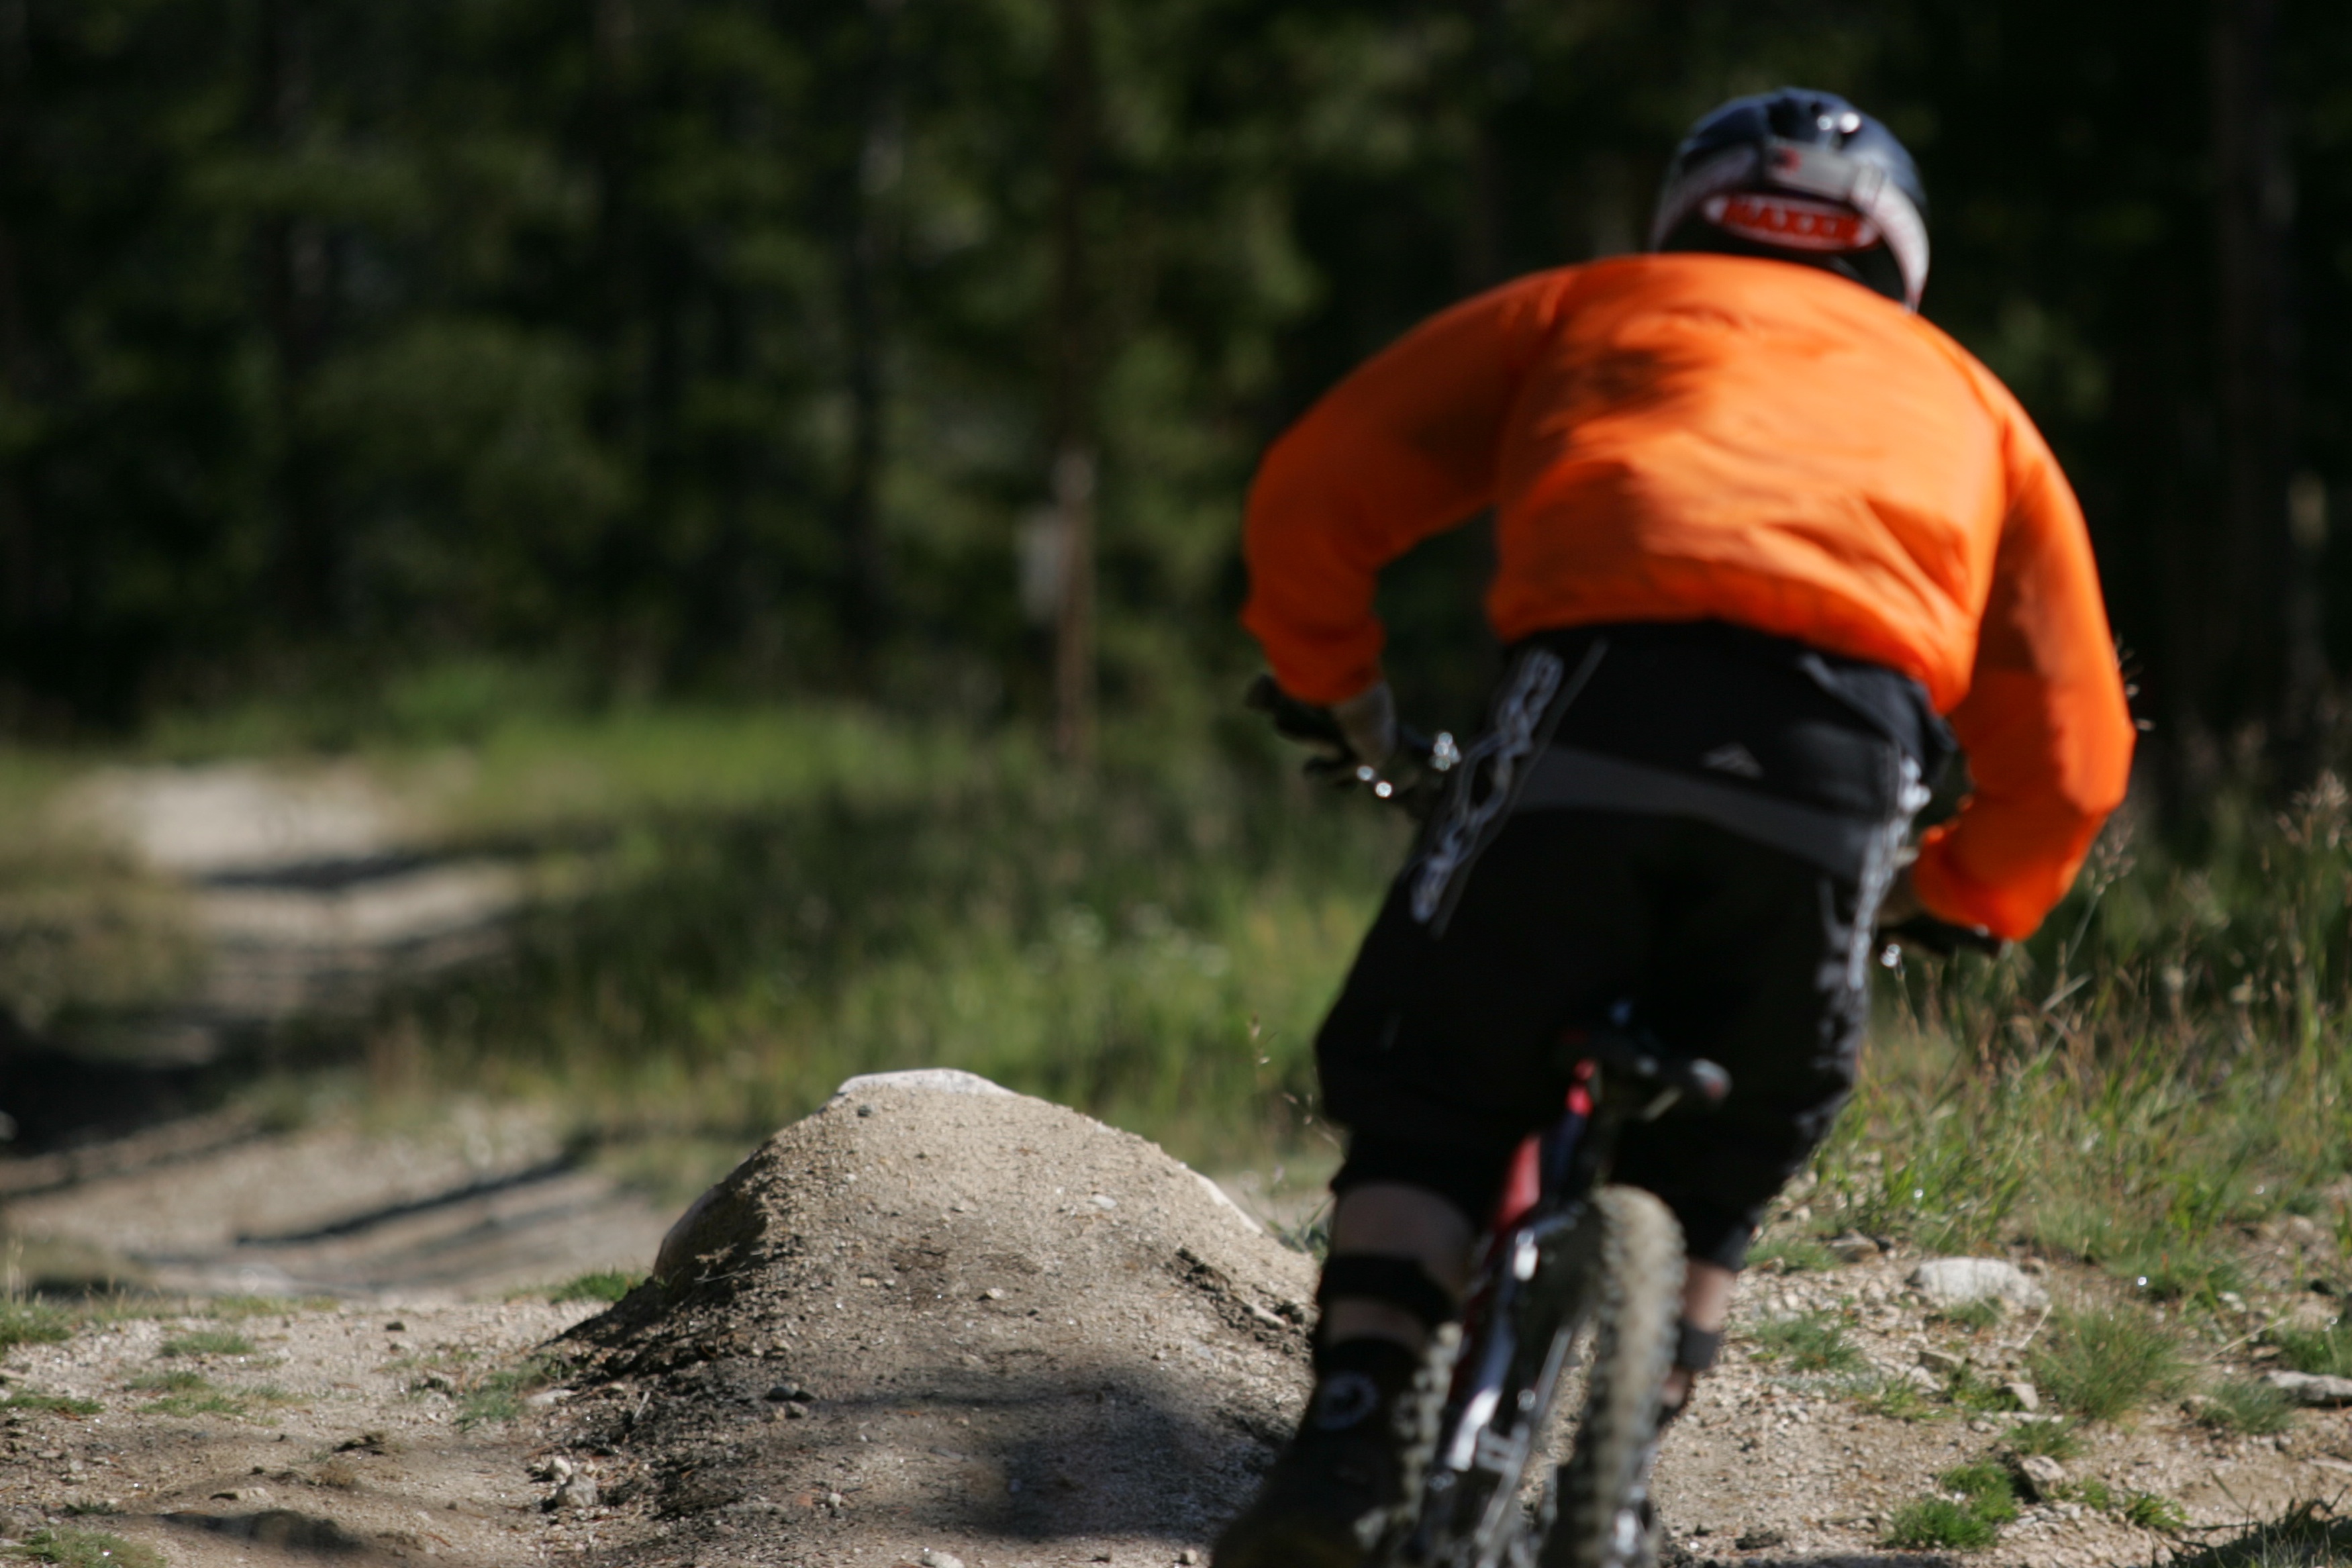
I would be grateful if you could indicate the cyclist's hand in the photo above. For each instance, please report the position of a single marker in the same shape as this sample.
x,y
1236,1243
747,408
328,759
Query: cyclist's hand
x,y
1369,720
1335,735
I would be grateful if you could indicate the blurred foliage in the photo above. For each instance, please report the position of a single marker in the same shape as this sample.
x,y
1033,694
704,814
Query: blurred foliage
x,y
1154,944
339,338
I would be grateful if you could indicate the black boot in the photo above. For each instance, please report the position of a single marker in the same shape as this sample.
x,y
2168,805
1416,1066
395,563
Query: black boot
x,y
1325,1501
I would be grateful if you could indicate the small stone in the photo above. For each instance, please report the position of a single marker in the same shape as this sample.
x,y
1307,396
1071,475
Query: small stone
x,y
992,1294
395,1326
795,1412
784,1391
1760,1538
931,1559
1854,1248
574,1488
1104,1201
1943,1363
1187,1557
2040,1475
2028,1397
1957,1281
865,1111
2311,1389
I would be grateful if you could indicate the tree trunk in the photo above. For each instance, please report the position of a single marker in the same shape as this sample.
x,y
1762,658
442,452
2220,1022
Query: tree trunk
x,y
864,574
1075,462
21,594
2269,655
294,265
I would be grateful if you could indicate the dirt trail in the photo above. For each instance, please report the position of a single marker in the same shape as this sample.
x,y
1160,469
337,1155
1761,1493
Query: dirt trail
x,y
937,1318
311,891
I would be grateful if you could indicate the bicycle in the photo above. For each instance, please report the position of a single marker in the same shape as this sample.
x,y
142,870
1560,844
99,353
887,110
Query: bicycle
x,y
1566,1251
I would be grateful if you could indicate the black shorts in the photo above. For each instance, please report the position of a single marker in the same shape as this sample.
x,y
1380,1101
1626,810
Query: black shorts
x,y
1685,826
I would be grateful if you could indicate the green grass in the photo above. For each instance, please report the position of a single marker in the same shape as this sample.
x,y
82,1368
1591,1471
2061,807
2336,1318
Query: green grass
x,y
2308,1535
53,1403
197,1402
498,1395
606,1285
2105,1365
179,1382
237,1309
2246,1404
2048,1439
185,1392
25,1323
2149,1511
1807,1341
1895,1399
85,1548
1792,1254
2327,1351
1984,1498
208,1342
1975,1315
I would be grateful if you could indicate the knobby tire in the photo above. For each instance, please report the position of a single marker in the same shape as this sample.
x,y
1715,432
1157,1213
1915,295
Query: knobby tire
x,y
1599,1520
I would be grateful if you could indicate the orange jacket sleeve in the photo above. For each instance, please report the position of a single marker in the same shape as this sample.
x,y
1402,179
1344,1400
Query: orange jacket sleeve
x,y
2049,736
1404,448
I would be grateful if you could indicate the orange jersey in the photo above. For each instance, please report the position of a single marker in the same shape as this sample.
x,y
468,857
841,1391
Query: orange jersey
x,y
1696,437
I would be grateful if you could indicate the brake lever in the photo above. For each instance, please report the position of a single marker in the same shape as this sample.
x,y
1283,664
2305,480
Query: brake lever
x,y
1924,933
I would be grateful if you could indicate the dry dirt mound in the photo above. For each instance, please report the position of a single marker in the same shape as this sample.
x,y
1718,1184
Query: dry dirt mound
x,y
938,1316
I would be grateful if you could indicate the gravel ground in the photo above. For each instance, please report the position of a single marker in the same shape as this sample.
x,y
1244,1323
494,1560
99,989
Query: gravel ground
x,y
972,1325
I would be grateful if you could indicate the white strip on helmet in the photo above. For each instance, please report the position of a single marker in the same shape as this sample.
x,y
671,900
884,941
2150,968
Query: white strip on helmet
x,y
1808,170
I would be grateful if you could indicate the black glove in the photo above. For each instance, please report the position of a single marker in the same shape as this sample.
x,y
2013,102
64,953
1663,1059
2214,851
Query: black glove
x,y
1358,733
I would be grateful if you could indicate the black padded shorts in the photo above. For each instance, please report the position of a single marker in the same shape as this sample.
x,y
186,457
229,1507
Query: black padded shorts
x,y
1686,826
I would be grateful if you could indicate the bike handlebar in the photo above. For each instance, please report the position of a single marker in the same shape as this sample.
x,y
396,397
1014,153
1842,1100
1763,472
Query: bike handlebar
x,y
1942,938
1431,757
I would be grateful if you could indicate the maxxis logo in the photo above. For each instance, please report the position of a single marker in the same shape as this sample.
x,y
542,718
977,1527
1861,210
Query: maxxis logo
x,y
1791,221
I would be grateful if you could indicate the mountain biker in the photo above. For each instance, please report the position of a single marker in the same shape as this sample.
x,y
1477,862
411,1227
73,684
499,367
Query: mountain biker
x,y
1760,531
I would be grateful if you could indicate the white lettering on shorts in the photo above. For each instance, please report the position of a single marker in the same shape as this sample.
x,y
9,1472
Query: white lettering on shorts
x,y
1490,774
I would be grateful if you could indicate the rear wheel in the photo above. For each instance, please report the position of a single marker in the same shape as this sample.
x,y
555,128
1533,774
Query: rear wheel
x,y
1602,1516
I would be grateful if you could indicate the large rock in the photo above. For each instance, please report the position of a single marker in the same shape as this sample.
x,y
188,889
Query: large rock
x,y
998,1322
1958,1281
2312,1388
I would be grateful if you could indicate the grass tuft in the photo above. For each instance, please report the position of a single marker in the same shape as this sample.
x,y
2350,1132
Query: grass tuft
x,y
208,1342
53,1403
2046,1440
1937,1523
1893,1398
2246,1404
1981,1499
2150,1511
1975,1315
2103,1365
24,1323
498,1395
606,1285
1794,1254
237,1309
1808,1342
2327,1351
2308,1535
179,1382
86,1549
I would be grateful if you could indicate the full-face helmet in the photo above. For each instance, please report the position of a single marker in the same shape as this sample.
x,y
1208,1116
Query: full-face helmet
x,y
1799,176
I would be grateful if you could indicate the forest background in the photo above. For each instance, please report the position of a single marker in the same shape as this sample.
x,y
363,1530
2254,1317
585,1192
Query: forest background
x,y
645,347
730,458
